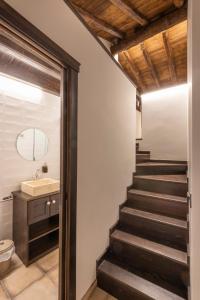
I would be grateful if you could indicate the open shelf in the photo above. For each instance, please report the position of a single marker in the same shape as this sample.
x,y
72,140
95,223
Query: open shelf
x,y
43,245
42,228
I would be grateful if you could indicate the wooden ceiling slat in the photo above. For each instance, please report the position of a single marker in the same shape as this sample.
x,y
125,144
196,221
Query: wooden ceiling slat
x,y
123,6
150,65
99,23
162,24
170,58
178,3
134,70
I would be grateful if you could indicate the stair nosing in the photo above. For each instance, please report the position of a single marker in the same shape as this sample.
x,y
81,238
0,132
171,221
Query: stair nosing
x,y
156,178
179,253
154,217
147,287
159,195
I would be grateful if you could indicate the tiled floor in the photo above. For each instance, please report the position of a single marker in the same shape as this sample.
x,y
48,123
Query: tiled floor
x,y
37,282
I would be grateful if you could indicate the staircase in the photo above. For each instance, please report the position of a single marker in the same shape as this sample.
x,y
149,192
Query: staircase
x,y
147,257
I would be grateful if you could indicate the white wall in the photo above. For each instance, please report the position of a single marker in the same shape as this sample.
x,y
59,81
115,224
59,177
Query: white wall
x,y
164,123
106,131
15,116
194,106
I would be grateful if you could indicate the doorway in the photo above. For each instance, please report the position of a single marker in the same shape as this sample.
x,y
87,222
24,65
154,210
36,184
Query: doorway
x,y
30,42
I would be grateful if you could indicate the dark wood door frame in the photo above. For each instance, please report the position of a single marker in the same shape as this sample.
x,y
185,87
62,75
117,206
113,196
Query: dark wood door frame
x,y
69,88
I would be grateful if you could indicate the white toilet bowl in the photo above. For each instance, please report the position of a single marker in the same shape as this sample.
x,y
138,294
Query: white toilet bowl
x,y
7,250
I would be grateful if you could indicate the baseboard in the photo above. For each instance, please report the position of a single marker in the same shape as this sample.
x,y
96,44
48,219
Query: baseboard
x,y
90,291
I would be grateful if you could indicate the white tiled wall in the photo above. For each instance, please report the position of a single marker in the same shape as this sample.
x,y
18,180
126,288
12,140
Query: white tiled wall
x,y
15,116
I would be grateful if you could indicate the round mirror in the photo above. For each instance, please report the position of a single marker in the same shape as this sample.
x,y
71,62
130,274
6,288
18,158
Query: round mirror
x,y
32,144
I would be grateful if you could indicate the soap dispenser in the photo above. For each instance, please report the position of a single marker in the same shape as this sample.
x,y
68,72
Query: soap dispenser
x,y
45,168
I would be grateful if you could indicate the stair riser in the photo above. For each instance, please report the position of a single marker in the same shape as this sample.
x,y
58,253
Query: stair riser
x,y
118,289
158,205
160,170
137,258
162,233
159,186
143,152
142,158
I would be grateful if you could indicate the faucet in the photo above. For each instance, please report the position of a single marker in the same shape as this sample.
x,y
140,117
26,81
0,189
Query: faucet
x,y
38,174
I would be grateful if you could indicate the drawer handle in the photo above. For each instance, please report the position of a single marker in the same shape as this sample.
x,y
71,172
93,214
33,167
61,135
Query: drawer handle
x,y
54,201
48,203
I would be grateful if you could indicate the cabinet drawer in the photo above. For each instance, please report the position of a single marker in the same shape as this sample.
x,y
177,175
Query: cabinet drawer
x,y
55,202
38,210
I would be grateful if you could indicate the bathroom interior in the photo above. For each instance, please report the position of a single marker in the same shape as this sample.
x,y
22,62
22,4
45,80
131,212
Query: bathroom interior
x,y
30,113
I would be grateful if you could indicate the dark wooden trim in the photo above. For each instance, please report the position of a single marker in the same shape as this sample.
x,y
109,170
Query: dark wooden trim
x,y
75,11
163,23
69,97
20,24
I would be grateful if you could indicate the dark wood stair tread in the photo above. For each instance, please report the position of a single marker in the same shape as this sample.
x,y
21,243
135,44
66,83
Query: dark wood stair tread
x,y
158,195
167,178
155,217
150,164
159,249
135,282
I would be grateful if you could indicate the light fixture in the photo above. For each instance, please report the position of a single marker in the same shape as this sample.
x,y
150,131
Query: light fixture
x,y
17,89
169,92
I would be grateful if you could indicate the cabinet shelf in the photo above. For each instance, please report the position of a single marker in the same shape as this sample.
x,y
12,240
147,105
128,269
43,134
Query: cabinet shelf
x,y
43,228
43,245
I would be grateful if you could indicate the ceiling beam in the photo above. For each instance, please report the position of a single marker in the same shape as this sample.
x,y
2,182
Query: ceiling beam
x,y
102,25
170,58
150,65
162,24
123,6
134,70
178,3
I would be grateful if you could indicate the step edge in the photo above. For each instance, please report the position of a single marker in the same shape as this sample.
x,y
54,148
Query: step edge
x,y
180,261
154,219
100,269
158,196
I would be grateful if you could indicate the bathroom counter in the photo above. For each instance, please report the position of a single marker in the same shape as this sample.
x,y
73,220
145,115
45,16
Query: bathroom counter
x,y
27,197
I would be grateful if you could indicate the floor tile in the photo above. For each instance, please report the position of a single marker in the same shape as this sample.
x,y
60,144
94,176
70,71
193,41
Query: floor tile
x,y
53,275
42,289
98,294
49,261
15,263
3,295
21,278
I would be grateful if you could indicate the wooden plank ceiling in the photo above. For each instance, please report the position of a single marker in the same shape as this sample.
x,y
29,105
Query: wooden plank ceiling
x,y
150,37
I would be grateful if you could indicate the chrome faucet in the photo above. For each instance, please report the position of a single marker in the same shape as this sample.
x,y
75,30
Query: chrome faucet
x,y
38,174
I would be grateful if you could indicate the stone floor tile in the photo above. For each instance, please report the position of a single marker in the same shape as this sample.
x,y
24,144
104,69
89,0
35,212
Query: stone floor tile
x,y
3,295
21,278
49,261
53,275
42,289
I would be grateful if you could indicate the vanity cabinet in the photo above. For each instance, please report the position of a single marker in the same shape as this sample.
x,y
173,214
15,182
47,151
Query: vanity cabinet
x,y
35,225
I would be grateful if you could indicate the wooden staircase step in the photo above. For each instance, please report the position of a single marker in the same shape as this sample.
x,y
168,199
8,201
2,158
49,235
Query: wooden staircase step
x,y
160,168
142,157
167,184
164,204
165,230
147,256
123,284
167,252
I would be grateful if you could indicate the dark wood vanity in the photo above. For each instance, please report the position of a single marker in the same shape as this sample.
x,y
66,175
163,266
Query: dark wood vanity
x,y
35,225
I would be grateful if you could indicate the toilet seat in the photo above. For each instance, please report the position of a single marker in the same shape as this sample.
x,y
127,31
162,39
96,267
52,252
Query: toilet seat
x,y
6,245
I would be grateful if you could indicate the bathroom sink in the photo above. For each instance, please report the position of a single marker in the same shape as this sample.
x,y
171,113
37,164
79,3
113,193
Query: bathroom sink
x,y
40,186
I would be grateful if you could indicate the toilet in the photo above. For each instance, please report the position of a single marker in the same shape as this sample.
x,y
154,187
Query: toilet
x,y
7,250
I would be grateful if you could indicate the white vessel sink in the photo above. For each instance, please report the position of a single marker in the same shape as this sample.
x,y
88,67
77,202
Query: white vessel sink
x,y
40,186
